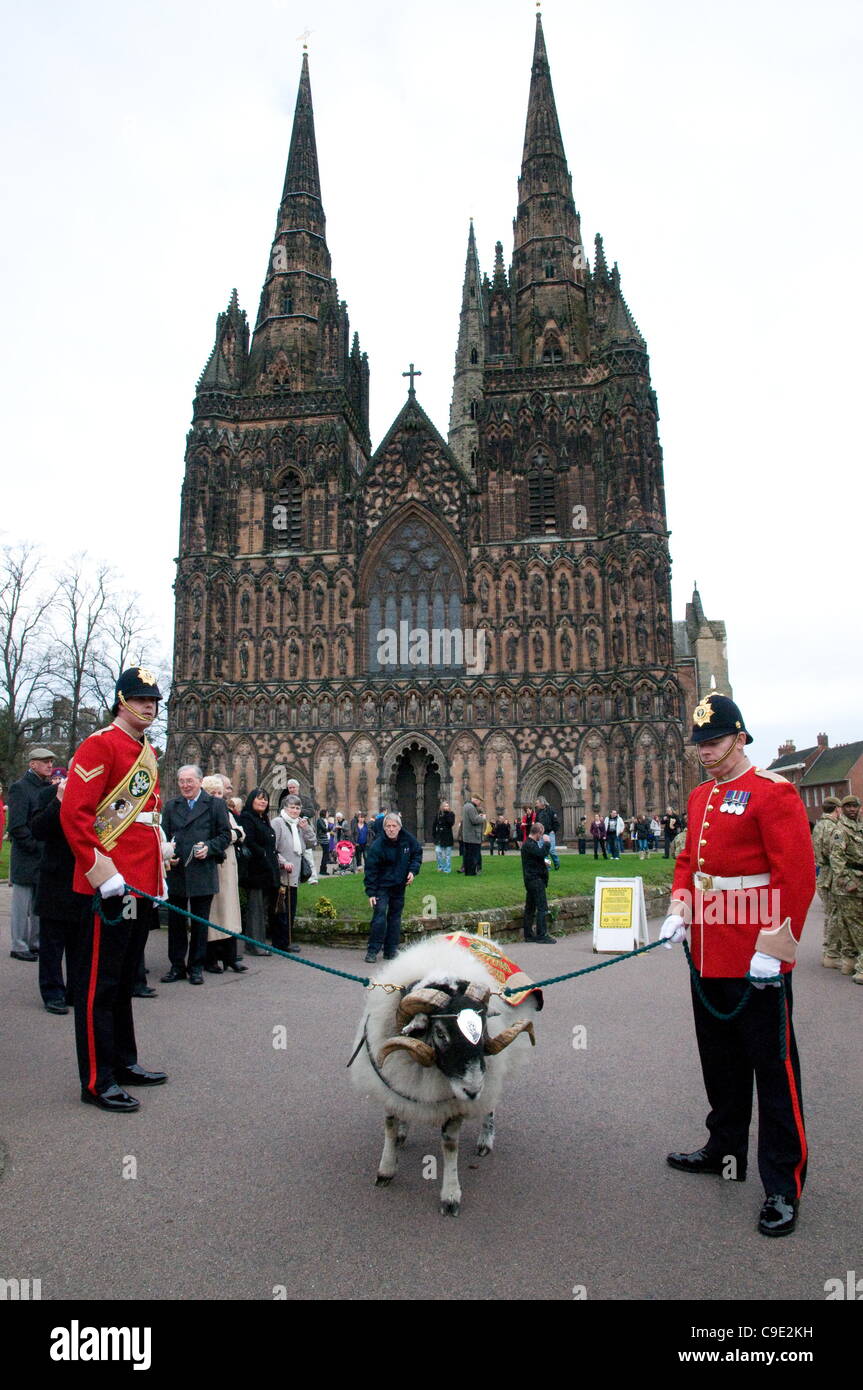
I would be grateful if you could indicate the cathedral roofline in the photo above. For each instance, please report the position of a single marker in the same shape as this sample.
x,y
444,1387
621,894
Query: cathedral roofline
x,y
412,408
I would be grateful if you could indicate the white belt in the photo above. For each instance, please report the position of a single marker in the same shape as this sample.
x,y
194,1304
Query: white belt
x,y
149,817
709,883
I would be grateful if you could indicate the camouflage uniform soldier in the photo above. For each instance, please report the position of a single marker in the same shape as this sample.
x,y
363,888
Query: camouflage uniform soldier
x,y
821,838
846,862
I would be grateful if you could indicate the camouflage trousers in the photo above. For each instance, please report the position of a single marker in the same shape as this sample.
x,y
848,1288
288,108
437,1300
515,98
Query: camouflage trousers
x,y
832,936
849,912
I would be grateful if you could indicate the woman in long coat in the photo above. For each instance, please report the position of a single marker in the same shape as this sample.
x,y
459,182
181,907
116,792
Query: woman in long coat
x,y
261,875
222,951
293,836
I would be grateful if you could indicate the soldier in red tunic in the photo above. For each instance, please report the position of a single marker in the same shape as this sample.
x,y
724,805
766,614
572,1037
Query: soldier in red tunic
x,y
744,882
110,816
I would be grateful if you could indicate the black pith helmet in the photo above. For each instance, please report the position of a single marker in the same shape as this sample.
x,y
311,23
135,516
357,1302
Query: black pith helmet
x,y
715,716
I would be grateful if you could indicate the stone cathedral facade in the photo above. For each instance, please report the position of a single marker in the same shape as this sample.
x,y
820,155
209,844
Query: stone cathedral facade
x,y
489,613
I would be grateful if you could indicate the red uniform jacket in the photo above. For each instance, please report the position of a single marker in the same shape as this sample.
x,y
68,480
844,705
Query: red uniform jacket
x,y
98,766
770,836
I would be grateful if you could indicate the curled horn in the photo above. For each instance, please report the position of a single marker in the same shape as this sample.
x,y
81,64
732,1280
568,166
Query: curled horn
x,y
478,994
420,1001
495,1045
418,1051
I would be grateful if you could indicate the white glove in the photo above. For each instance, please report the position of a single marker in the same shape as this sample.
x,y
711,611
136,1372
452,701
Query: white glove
x,y
113,886
672,930
169,850
764,967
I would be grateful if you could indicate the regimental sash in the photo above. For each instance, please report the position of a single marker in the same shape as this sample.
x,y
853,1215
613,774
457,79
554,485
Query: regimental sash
x,y
120,807
507,974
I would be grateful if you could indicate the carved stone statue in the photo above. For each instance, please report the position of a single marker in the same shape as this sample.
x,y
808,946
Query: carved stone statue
x,y
592,638
269,605
368,710
341,657
412,711
617,640
343,600
244,661
504,709
318,601
538,650
511,651
590,588
641,636
526,706
293,604
435,709
268,661
293,656
509,589
563,590
565,649
457,708
325,711
244,608
484,593
536,592
318,655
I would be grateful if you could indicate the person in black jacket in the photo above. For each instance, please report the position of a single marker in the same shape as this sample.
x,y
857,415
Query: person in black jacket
x,y
535,872
58,908
443,837
393,861
26,853
550,822
260,876
197,825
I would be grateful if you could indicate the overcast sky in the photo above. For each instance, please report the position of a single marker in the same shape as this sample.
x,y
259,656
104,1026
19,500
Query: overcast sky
x,y
715,147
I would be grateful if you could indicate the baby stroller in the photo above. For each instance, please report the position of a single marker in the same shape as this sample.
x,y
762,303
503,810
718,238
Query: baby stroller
x,y
344,856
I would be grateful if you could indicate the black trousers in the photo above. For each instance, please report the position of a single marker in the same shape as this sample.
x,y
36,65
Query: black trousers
x,y
55,937
732,1056
535,905
106,963
472,858
283,922
182,933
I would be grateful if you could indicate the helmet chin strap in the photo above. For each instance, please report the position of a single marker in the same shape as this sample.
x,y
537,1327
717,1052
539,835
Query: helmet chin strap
x,y
714,766
145,719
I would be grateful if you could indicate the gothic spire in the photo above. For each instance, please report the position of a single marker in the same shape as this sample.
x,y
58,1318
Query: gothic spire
x,y
226,365
301,175
469,360
548,256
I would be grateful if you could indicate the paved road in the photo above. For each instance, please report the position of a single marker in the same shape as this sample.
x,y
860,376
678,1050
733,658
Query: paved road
x,y
255,1165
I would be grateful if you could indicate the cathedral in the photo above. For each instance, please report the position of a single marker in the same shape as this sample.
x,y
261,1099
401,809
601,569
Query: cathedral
x,y
488,613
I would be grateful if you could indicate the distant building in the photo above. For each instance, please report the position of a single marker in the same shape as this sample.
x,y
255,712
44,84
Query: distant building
x,y
822,771
54,729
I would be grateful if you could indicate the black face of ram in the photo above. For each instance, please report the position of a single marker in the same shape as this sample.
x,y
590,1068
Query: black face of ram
x,y
459,1058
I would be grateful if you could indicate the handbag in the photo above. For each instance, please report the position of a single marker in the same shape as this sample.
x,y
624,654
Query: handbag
x,y
305,869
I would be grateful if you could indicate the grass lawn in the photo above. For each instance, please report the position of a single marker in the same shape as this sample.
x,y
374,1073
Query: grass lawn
x,y
499,885
5,852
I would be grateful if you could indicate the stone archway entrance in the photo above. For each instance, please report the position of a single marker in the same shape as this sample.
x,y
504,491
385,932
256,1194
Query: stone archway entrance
x,y
551,792
415,789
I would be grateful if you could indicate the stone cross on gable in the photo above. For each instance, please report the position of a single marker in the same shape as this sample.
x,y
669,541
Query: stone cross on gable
x,y
412,373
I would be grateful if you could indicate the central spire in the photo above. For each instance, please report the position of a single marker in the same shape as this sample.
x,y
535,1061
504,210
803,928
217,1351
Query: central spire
x,y
548,256
302,174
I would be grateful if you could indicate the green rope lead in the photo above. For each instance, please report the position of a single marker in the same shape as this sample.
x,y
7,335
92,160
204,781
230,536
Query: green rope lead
x,y
365,980
587,970
747,995
239,936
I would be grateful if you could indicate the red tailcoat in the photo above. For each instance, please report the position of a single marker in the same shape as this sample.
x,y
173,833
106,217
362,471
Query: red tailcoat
x,y
106,757
772,837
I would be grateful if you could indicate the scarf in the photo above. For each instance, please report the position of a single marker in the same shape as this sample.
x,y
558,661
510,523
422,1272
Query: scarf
x,y
294,829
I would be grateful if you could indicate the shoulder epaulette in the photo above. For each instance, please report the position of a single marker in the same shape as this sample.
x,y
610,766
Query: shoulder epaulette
x,y
770,776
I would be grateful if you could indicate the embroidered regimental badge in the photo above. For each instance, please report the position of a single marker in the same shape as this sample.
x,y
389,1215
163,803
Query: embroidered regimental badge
x,y
141,783
146,676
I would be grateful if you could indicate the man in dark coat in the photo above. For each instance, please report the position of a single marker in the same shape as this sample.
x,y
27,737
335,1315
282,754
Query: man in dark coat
x,y
198,825
393,861
59,909
535,872
24,797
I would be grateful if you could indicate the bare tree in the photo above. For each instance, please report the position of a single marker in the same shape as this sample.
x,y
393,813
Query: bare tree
x,y
78,623
128,639
24,639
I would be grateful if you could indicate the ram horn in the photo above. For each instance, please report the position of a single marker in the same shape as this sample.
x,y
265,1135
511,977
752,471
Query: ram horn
x,y
497,1044
478,994
418,1051
420,1001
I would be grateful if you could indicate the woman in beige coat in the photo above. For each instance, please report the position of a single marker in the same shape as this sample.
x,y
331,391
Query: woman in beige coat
x,y
294,836
225,907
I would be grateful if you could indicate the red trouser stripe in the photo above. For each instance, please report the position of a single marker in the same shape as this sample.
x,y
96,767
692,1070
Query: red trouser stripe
x,y
91,992
795,1106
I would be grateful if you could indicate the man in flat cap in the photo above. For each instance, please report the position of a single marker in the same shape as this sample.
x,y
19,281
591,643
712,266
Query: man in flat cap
x,y
846,864
24,796
110,816
822,836
744,880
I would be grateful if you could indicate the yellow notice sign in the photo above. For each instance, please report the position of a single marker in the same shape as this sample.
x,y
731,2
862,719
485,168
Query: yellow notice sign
x,y
615,906
619,916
